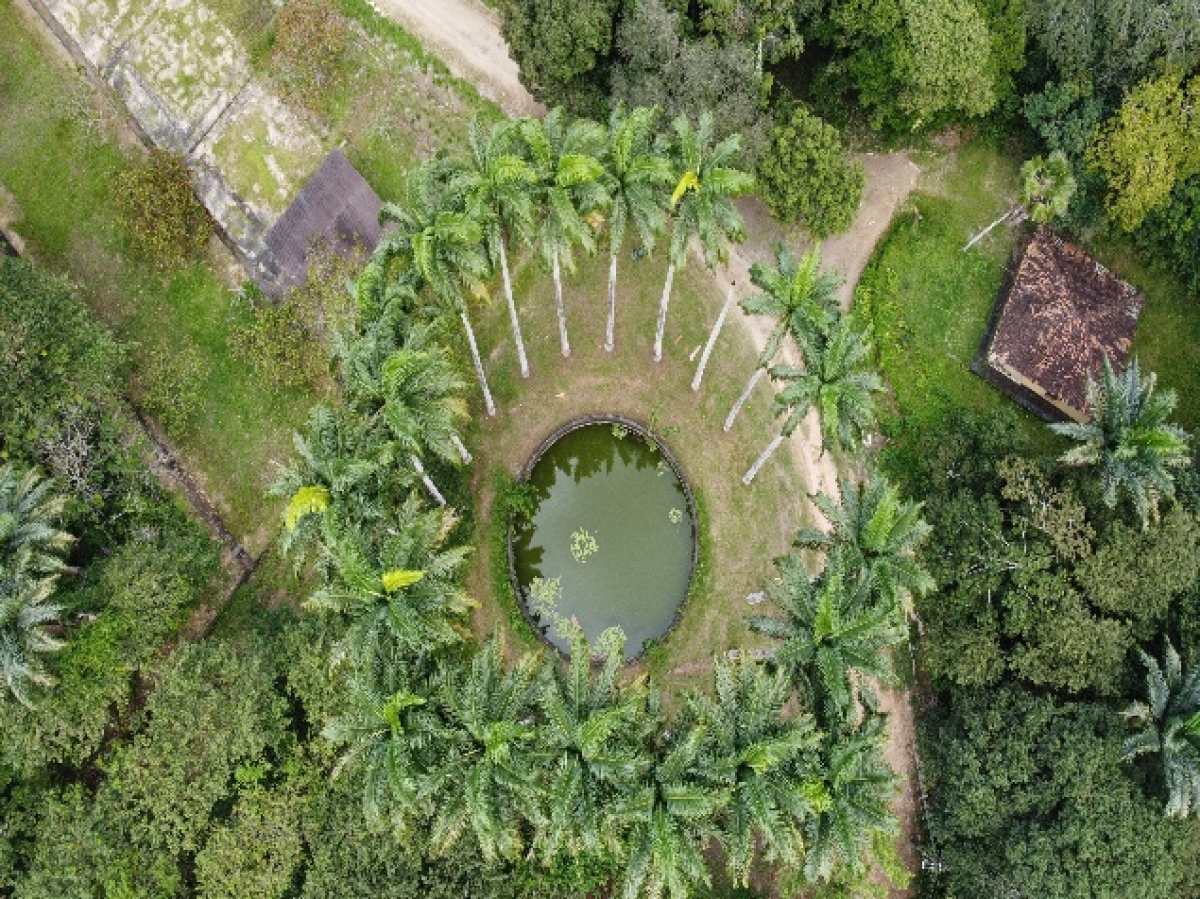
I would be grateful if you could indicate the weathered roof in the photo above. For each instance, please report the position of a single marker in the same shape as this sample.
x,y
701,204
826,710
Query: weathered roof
x,y
1058,314
336,205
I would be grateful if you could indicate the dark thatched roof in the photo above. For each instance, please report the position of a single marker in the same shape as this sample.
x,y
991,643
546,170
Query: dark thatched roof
x,y
336,205
1058,314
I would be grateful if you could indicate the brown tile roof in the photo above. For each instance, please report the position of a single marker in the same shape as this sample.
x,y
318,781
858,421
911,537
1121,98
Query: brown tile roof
x,y
336,204
1061,314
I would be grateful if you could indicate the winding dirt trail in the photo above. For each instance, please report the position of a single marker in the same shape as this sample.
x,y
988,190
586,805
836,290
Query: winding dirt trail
x,y
466,35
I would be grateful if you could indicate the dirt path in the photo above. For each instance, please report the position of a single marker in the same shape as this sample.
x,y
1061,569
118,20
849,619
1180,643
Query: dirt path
x,y
466,35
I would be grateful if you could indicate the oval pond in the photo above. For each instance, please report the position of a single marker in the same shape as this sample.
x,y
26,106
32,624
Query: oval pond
x,y
611,538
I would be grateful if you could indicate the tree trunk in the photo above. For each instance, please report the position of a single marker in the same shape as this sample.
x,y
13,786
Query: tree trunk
x,y
984,233
712,339
462,449
762,460
662,313
483,384
512,312
562,314
612,303
741,400
429,485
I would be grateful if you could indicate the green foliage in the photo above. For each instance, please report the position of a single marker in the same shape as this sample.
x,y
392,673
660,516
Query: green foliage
x,y
658,65
166,223
1031,800
563,49
169,386
1129,439
258,850
806,176
56,362
1170,234
213,709
1148,145
310,44
1047,187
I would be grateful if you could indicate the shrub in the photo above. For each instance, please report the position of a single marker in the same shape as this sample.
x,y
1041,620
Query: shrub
x,y
805,175
166,222
169,386
274,340
310,42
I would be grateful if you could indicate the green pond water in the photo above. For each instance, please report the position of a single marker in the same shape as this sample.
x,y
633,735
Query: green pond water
x,y
613,526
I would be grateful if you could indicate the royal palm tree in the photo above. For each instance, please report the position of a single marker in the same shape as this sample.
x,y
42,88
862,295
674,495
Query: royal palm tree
x,y
831,632
25,610
497,185
390,732
594,737
803,302
1169,724
637,176
877,531
486,781
395,582
1129,439
764,758
854,799
30,541
677,810
702,202
443,247
570,189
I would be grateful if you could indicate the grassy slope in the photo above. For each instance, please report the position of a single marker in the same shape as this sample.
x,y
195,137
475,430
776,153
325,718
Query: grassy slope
x,y
930,301
63,181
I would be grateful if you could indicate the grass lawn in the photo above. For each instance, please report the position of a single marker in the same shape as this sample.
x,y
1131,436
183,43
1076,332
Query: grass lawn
x,y
742,527
62,178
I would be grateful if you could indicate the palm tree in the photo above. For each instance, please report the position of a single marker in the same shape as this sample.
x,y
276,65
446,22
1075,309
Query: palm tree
x,y
712,336
854,800
30,542
24,614
764,758
394,581
594,737
831,631
1170,724
1129,439
487,777
391,732
702,202
876,531
835,379
497,189
443,247
637,175
341,461
796,405
676,811
565,157
1047,186
800,298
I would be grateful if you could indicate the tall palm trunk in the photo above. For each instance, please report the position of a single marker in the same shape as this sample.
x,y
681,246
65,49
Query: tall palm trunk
x,y
425,479
712,339
612,303
562,314
662,313
741,400
483,384
462,449
512,312
762,460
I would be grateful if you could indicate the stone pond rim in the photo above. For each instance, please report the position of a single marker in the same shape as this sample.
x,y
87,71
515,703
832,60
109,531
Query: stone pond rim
x,y
642,431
